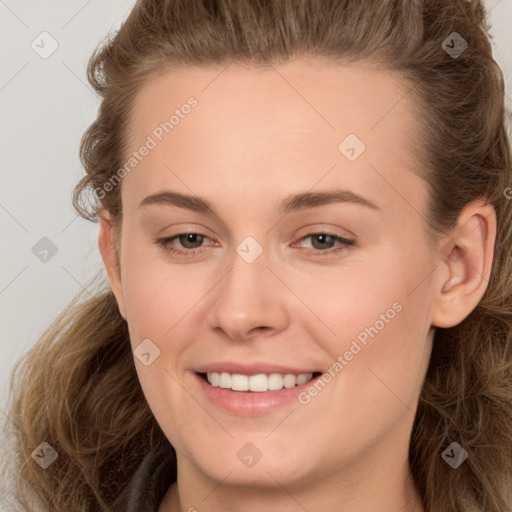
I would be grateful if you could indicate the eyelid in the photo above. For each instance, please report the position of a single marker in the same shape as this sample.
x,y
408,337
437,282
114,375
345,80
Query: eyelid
x,y
327,228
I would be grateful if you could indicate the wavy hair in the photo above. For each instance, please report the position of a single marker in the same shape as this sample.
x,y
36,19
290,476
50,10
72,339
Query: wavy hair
x,y
77,388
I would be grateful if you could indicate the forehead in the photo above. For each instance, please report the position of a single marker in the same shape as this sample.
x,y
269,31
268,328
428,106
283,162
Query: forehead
x,y
282,126
314,94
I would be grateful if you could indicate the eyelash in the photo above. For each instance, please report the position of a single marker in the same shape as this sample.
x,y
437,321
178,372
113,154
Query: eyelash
x,y
344,243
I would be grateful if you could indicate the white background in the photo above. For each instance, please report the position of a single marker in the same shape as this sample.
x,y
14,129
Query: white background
x,y
46,105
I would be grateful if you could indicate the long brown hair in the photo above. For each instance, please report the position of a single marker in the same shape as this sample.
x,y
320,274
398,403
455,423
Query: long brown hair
x,y
77,388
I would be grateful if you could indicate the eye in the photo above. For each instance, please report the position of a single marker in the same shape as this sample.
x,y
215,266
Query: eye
x,y
186,240
324,244
321,239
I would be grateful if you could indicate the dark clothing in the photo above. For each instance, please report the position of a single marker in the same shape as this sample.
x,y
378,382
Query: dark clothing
x,y
151,481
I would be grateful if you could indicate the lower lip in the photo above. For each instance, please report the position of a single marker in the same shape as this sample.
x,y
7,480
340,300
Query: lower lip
x,y
251,403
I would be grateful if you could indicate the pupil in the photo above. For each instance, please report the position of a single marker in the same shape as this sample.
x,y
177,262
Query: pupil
x,y
190,237
321,238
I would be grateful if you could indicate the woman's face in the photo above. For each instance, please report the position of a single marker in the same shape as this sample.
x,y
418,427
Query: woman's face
x,y
263,285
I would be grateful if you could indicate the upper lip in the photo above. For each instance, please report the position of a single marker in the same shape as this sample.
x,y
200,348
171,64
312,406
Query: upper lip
x,y
253,368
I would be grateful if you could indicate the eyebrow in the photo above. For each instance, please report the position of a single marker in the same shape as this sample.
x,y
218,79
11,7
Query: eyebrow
x,y
291,203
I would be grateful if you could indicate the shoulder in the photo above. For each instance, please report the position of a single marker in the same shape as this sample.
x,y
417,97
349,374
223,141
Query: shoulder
x,y
151,481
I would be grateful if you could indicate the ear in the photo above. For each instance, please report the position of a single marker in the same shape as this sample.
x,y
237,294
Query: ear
x,y
465,262
109,254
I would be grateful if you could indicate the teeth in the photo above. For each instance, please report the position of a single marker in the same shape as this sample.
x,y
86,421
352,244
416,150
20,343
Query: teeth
x,y
258,383
239,382
301,379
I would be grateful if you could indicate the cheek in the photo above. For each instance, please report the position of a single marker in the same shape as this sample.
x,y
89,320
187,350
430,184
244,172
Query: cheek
x,y
381,354
157,294
345,300
376,318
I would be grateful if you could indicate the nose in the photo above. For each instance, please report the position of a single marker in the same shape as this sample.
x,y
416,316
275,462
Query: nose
x,y
249,301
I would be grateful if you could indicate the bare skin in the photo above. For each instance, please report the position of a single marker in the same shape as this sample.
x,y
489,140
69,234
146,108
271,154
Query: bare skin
x,y
254,138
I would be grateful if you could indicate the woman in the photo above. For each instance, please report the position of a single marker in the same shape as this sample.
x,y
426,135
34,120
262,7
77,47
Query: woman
x,y
304,221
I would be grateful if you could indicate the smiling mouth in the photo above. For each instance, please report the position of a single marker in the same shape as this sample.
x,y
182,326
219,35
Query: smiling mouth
x,y
258,383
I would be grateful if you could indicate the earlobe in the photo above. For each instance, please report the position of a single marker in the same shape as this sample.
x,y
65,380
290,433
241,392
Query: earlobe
x,y
465,263
109,255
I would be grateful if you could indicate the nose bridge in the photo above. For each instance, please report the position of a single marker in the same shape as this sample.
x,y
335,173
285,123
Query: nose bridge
x,y
249,297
